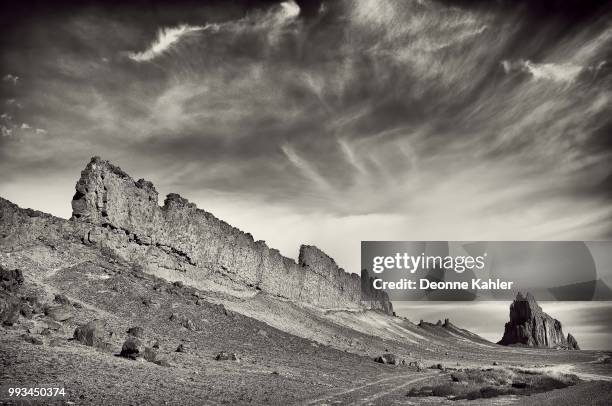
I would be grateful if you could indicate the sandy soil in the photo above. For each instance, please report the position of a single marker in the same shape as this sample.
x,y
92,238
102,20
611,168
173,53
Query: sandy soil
x,y
289,354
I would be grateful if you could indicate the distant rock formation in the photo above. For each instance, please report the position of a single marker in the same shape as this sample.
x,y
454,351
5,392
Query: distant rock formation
x,y
178,241
530,326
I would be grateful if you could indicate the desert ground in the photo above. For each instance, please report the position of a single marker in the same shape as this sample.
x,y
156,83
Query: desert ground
x,y
286,353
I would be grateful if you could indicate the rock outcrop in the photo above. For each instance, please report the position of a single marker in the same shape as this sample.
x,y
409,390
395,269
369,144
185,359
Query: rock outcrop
x,y
530,326
373,298
180,241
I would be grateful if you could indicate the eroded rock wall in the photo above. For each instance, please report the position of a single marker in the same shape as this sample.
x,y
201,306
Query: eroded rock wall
x,y
125,217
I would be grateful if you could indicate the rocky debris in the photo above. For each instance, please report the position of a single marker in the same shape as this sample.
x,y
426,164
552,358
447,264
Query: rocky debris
x,y
35,303
150,303
60,313
183,321
226,356
387,358
61,299
91,334
162,362
25,309
10,280
438,366
223,310
572,343
459,376
114,211
132,348
137,332
530,326
10,308
418,365
52,325
32,339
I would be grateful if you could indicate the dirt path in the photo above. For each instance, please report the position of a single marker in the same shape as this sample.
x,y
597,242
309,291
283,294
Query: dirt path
x,y
365,394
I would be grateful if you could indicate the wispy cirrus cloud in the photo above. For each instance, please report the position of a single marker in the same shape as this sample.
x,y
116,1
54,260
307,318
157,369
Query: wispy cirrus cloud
x,y
166,39
169,37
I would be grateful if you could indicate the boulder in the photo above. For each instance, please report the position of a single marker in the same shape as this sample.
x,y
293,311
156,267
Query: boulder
x,y
137,332
530,326
61,299
10,308
60,313
387,358
91,334
150,354
226,356
10,279
132,348
418,365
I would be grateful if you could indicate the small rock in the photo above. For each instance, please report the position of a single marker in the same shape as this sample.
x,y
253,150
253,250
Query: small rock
x,y
26,310
150,354
60,313
387,358
162,362
10,308
188,324
46,332
495,363
226,356
417,365
77,305
136,332
61,299
156,344
32,339
181,348
262,333
179,284
52,325
150,303
458,377
438,366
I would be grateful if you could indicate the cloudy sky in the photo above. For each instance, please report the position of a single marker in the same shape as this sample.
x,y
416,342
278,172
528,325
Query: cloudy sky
x,y
321,122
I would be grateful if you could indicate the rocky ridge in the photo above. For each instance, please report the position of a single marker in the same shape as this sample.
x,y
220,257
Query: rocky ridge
x,y
178,241
530,326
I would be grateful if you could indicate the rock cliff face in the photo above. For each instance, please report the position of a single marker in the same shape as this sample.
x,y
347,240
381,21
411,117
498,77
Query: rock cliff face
x,y
184,242
530,326
372,298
